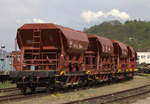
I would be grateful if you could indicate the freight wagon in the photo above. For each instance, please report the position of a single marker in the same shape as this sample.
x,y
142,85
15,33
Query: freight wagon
x,y
55,56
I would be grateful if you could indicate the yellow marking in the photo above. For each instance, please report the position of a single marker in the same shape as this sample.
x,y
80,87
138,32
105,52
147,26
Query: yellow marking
x,y
52,95
127,70
62,72
58,82
131,70
88,72
69,84
119,70
135,69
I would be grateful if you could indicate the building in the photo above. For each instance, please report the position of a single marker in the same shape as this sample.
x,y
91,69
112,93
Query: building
x,y
4,61
143,57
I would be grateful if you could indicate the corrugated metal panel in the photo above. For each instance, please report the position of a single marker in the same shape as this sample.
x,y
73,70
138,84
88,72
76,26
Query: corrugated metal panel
x,y
132,51
123,47
75,39
38,26
107,45
68,32
72,34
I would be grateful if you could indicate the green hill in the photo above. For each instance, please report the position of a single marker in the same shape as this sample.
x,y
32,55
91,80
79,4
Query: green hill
x,y
135,33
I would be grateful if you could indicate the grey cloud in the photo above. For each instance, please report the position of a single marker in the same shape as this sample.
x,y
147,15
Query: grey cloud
x,y
90,16
63,12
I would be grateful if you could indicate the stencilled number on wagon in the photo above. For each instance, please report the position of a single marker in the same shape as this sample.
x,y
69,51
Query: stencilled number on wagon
x,y
80,46
70,44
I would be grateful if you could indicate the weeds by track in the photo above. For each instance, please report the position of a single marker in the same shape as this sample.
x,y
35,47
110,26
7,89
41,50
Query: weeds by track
x,y
113,97
45,92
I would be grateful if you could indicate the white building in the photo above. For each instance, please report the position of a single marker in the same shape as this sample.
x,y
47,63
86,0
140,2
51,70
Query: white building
x,y
143,57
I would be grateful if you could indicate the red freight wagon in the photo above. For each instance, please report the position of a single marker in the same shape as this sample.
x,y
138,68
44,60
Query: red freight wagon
x,y
121,55
48,51
99,58
99,53
54,56
132,58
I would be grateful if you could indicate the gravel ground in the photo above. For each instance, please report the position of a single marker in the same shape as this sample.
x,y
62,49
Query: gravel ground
x,y
60,98
141,99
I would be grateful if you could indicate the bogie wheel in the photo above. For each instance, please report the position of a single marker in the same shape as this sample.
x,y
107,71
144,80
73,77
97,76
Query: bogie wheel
x,y
32,90
23,90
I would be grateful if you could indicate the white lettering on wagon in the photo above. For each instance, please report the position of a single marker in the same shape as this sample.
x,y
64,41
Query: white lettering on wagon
x,y
80,46
76,45
70,44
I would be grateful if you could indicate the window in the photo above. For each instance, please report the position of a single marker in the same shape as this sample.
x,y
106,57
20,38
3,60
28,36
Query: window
x,y
143,57
148,56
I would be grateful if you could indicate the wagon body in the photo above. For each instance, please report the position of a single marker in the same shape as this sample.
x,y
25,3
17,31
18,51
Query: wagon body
x,y
120,55
99,56
51,34
44,46
132,58
55,56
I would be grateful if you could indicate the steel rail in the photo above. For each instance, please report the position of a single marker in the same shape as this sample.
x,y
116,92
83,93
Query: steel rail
x,y
108,98
8,89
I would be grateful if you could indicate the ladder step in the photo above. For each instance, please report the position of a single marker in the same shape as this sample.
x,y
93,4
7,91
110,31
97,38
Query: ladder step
x,y
35,36
35,53
36,48
36,30
35,42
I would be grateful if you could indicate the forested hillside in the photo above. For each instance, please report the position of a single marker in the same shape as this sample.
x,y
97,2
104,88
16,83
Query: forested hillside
x,y
135,33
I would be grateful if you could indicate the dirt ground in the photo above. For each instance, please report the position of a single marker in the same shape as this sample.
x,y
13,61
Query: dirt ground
x,y
60,98
141,99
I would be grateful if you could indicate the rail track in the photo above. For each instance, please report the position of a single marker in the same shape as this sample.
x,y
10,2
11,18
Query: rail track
x,y
42,93
114,97
108,98
21,96
8,89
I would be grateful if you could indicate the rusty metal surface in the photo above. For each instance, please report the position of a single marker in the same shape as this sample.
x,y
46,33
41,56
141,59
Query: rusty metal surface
x,y
133,53
72,34
123,47
76,40
38,26
46,46
106,44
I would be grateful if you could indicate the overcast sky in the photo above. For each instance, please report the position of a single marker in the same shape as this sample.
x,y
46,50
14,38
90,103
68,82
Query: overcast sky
x,y
76,14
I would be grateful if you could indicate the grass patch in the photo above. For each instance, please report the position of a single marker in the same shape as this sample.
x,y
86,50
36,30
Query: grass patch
x,y
144,74
7,84
148,75
81,94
